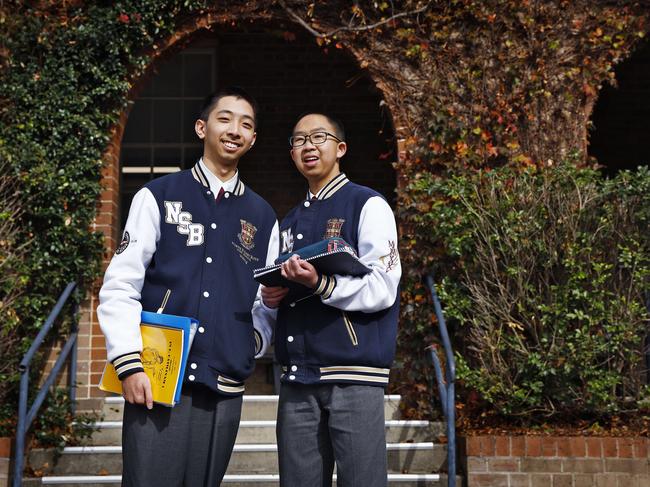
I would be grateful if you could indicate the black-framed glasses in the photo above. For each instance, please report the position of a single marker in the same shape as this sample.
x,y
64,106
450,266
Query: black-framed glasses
x,y
316,138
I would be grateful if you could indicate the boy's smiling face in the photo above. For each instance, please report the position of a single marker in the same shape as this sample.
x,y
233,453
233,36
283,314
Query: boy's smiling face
x,y
317,163
229,131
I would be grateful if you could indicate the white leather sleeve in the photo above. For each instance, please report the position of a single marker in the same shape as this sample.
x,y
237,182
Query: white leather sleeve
x,y
377,244
263,316
119,297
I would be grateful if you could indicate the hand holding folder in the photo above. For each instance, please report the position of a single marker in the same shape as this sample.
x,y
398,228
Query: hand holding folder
x,y
330,256
166,341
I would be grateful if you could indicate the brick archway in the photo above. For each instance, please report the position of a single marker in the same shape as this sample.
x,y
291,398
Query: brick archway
x,y
91,346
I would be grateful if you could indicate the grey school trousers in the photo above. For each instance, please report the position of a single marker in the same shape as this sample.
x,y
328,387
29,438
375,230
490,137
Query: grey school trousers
x,y
319,425
188,445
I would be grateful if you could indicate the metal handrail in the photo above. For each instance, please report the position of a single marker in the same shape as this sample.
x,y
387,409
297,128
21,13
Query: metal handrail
x,y
26,417
446,384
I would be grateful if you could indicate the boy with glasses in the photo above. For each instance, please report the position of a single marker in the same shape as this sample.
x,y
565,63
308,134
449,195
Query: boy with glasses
x,y
191,242
336,347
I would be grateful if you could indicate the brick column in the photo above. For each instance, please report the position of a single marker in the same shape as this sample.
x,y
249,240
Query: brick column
x,y
6,452
92,351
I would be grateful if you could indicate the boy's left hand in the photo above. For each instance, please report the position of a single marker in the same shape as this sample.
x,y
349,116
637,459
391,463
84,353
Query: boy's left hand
x,y
273,296
300,271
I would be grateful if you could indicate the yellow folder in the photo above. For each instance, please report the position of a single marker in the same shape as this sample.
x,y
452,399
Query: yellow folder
x,y
162,358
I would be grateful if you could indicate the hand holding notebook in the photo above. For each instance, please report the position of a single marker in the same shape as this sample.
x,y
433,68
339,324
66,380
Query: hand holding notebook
x,y
330,256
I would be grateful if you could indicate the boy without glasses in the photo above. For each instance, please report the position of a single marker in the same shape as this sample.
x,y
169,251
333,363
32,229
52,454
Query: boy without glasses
x,y
191,240
335,347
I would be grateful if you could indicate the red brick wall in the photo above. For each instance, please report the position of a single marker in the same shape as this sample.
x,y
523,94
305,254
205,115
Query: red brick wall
x,y
5,460
548,461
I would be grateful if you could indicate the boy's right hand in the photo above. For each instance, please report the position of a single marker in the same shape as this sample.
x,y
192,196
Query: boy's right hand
x,y
136,389
273,295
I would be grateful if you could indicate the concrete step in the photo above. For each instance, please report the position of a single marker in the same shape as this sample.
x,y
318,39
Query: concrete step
x,y
244,480
109,433
254,408
425,457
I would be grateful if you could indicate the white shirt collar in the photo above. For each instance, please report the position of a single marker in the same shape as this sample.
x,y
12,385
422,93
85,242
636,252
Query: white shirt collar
x,y
332,186
215,183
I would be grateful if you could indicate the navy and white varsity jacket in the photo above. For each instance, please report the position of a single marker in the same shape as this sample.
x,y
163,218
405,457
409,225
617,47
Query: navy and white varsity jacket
x,y
180,238
346,332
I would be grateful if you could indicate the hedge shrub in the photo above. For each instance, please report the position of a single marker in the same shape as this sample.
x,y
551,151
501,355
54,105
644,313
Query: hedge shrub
x,y
544,278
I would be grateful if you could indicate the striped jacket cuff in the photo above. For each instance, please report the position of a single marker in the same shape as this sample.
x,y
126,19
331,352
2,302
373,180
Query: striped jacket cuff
x,y
325,286
128,364
229,386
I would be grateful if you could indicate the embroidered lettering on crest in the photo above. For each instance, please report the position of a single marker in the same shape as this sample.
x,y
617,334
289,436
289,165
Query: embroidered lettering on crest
x,y
286,241
175,215
333,228
247,234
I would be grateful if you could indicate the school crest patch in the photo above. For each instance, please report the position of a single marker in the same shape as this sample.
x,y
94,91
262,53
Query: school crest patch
x,y
126,239
247,234
333,227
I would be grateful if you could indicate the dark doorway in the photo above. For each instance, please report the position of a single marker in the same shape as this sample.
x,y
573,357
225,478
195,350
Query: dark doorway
x,y
620,135
288,75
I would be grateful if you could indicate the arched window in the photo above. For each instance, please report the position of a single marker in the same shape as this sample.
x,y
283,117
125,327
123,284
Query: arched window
x,y
159,136
621,119
287,77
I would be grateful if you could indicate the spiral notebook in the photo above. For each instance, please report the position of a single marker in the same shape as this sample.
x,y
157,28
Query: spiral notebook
x,y
330,256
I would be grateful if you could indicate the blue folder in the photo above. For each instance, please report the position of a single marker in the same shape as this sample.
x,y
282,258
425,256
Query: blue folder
x,y
188,325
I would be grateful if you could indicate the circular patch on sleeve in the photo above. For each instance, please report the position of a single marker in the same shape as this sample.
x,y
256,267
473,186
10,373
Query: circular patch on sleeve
x,y
124,243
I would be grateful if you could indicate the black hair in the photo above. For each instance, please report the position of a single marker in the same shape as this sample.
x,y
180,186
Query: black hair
x,y
212,99
339,129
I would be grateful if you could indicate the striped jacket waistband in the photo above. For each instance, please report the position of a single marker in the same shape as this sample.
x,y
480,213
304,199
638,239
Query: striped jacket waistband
x,y
349,373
